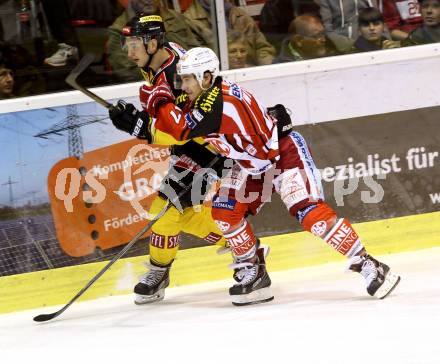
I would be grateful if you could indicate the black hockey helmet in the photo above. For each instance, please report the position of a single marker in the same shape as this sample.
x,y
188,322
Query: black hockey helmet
x,y
146,27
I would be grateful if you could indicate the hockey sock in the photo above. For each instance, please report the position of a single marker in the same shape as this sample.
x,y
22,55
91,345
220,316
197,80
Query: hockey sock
x,y
242,241
163,249
321,220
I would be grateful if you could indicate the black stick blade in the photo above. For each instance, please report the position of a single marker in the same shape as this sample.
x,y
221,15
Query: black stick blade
x,y
80,68
45,317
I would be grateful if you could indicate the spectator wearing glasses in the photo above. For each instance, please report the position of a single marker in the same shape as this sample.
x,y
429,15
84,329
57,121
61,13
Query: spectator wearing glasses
x,y
276,16
429,31
307,40
372,32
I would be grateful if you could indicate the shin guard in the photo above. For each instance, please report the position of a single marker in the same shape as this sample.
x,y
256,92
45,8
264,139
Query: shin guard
x,y
321,220
242,241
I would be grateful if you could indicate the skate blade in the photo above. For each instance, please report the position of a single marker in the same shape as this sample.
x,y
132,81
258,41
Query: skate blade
x,y
390,282
143,299
258,296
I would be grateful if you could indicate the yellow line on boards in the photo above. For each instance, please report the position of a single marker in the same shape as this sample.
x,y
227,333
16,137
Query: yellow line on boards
x,y
58,286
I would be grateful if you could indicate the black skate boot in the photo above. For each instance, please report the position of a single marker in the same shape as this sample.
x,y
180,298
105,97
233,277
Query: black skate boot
x,y
152,284
253,281
380,280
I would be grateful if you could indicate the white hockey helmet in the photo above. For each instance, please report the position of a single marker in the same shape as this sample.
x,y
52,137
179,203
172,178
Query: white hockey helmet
x,y
197,61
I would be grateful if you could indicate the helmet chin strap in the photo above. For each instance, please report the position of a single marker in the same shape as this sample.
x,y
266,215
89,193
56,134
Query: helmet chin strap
x,y
150,57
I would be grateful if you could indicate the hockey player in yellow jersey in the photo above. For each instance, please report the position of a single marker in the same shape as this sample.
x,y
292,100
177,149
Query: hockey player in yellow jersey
x,y
144,41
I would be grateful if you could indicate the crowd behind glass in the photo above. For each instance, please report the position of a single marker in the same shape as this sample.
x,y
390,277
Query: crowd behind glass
x,y
42,40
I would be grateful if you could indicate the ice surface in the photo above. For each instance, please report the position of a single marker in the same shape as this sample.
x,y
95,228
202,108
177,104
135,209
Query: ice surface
x,y
320,315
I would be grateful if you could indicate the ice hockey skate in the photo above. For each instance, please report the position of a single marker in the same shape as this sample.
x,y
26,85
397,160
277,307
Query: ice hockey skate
x,y
151,287
253,281
380,280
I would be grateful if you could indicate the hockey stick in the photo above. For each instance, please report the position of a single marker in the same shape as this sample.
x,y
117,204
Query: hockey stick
x,y
80,68
50,316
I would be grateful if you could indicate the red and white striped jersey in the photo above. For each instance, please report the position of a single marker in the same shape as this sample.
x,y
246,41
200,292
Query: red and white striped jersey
x,y
231,120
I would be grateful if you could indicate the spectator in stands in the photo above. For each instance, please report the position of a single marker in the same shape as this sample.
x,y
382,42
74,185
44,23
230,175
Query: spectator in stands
x,y
276,16
340,19
307,40
176,31
6,80
401,17
27,78
429,32
58,16
371,30
199,16
237,50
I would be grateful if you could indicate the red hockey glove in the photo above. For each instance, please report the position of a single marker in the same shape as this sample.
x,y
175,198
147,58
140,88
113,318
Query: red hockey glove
x,y
152,96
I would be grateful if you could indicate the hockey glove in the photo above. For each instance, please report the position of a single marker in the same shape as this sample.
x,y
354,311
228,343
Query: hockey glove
x,y
284,122
152,96
127,118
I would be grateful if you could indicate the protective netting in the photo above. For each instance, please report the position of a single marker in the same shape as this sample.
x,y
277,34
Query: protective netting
x,y
29,244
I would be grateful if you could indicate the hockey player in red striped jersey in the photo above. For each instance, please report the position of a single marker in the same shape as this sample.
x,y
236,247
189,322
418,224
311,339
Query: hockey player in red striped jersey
x,y
270,157
143,38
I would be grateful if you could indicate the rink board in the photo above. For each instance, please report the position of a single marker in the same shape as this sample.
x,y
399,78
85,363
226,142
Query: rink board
x,y
58,286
